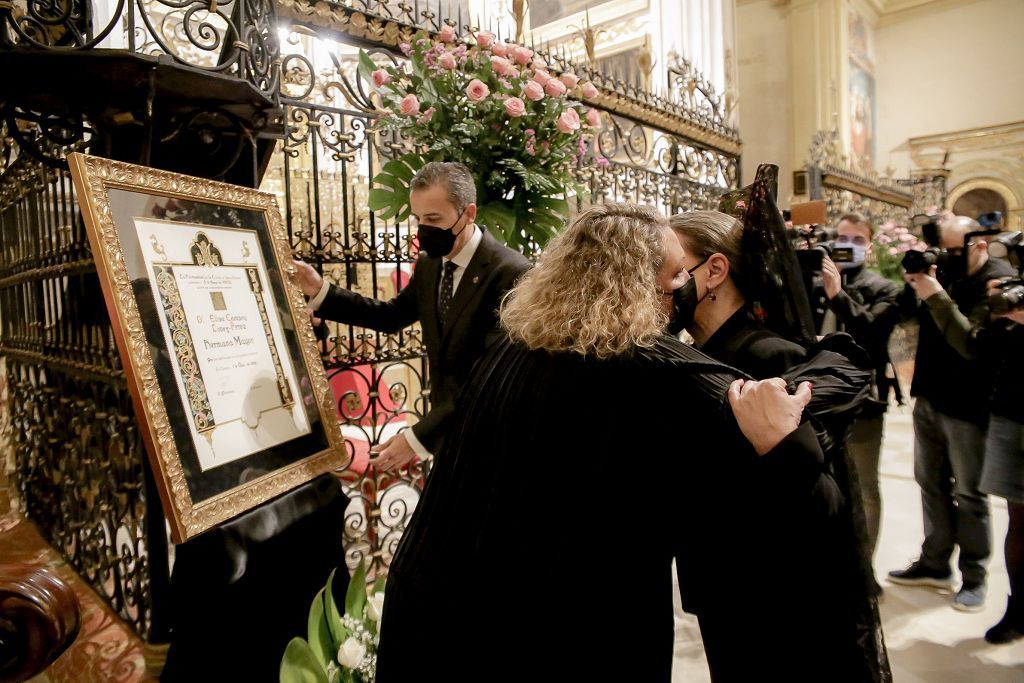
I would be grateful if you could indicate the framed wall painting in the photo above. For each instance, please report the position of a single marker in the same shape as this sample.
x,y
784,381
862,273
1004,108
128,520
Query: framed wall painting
x,y
219,354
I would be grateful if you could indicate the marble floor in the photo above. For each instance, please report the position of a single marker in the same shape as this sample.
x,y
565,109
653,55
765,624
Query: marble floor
x,y
928,641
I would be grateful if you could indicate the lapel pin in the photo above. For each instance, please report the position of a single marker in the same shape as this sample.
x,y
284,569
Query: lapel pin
x,y
476,279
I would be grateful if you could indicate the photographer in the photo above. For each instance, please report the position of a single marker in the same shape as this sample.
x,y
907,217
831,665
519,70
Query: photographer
x,y
1003,472
952,385
865,305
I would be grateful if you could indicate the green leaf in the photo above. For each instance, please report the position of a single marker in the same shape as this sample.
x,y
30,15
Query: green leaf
x,y
366,67
355,599
300,665
500,218
391,196
338,632
380,583
318,633
380,199
399,169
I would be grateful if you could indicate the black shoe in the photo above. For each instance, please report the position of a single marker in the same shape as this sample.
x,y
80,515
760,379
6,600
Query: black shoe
x,y
919,575
1009,628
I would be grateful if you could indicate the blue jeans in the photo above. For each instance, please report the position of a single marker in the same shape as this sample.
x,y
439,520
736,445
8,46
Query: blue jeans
x,y
948,457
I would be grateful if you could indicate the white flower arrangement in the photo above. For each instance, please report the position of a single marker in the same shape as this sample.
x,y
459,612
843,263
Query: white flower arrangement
x,y
339,647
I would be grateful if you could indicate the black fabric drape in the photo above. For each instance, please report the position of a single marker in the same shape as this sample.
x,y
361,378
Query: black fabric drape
x,y
241,591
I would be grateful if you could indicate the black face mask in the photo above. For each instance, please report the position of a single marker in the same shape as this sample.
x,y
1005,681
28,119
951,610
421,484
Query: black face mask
x,y
437,241
684,304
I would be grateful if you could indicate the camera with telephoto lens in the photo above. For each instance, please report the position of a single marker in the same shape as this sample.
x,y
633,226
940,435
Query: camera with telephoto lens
x,y
921,261
1010,247
817,243
1010,297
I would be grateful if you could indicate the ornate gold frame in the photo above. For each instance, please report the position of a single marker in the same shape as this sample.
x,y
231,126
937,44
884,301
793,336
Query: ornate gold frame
x,y
93,176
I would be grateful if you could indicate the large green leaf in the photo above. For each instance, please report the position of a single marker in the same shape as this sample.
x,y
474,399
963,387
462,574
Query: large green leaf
x,y
390,194
500,219
400,169
300,665
318,633
355,599
338,632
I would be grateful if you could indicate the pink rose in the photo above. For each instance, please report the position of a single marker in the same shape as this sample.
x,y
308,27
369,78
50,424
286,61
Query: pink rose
x,y
427,115
380,77
485,39
447,60
500,49
477,90
594,118
539,65
406,48
533,91
512,72
410,106
504,84
570,80
541,76
568,121
589,90
500,65
522,55
446,34
515,107
554,87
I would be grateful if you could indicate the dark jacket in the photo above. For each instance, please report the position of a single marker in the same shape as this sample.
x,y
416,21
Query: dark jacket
x,y
487,557
832,615
741,343
948,370
472,322
1003,340
867,308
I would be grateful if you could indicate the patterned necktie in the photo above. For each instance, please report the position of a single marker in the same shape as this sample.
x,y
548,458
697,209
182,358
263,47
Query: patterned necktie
x,y
447,285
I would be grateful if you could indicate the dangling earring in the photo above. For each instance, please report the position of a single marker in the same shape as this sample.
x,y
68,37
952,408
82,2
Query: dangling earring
x,y
712,295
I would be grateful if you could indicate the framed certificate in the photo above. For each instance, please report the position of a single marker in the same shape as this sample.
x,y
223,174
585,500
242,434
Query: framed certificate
x,y
219,354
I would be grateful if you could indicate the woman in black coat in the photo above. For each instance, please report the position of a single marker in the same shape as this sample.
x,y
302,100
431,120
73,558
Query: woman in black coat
x,y
583,450
819,572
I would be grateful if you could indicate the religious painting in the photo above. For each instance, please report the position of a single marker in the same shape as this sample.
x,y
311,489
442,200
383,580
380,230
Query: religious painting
x,y
862,117
861,93
216,341
861,41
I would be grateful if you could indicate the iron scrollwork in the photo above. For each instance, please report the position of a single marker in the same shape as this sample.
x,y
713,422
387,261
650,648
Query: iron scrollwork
x,y
232,37
322,174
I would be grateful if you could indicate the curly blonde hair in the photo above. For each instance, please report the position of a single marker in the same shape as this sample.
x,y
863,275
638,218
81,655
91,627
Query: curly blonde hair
x,y
594,291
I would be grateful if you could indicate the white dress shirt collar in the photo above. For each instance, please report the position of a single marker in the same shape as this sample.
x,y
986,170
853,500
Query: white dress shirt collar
x,y
465,254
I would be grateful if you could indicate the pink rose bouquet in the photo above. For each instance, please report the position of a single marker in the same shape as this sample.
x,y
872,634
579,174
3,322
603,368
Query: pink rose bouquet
x,y
496,108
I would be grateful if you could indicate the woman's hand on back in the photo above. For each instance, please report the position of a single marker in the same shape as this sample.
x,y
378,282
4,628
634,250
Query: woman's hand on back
x,y
765,410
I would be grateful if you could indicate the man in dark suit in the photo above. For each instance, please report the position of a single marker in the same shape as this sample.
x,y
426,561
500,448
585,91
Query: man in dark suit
x,y
461,275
